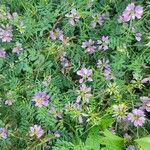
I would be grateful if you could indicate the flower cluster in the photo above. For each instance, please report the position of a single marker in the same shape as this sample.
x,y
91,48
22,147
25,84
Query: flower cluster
x,y
137,117
6,33
86,75
73,16
55,112
98,19
131,12
57,34
18,49
146,103
84,94
36,130
104,64
89,46
3,133
41,99
64,61
103,43
2,53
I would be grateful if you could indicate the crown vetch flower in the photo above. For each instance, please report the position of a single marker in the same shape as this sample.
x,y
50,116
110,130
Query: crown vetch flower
x,y
18,49
89,46
104,64
6,33
3,133
103,43
73,16
131,12
41,99
98,19
85,74
137,117
84,94
57,34
146,103
36,130
2,53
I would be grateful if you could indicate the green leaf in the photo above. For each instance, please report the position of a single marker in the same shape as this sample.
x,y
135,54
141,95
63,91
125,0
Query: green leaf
x,y
93,139
111,141
143,143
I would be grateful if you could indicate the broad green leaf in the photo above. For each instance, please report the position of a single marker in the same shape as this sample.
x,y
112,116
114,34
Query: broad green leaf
x,y
143,143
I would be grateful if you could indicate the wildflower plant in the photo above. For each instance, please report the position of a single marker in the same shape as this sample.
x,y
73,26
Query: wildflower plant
x,y
74,74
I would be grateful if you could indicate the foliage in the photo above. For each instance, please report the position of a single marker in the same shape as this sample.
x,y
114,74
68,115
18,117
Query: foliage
x,y
88,72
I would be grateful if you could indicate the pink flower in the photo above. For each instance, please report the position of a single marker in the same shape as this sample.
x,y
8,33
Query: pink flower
x,y
6,33
36,130
104,64
18,49
146,102
57,34
41,99
3,133
85,74
131,12
84,94
73,16
137,117
2,53
145,80
103,43
98,19
89,46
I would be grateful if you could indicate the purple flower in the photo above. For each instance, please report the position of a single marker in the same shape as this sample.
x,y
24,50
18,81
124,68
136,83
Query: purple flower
x,y
146,102
145,80
98,19
18,49
84,94
64,61
107,74
73,16
89,46
2,53
3,133
40,99
6,33
55,112
131,147
120,112
138,36
85,74
36,130
103,43
104,64
57,34
131,12
137,117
